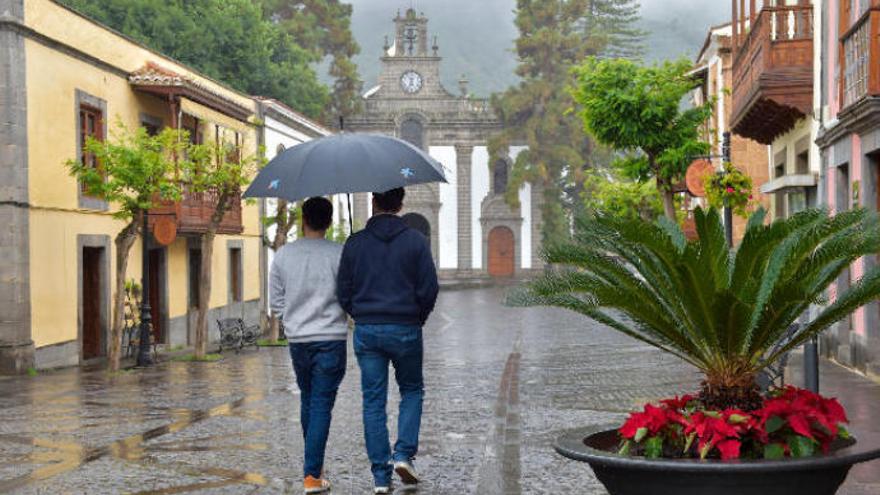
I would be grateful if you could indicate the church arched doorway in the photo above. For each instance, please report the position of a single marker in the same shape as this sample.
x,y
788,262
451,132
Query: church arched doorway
x,y
412,131
418,223
502,252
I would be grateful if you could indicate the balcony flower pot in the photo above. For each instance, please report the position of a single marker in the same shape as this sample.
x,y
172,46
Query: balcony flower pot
x,y
629,475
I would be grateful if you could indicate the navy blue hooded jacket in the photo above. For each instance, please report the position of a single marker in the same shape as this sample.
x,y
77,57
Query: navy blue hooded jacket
x,y
387,274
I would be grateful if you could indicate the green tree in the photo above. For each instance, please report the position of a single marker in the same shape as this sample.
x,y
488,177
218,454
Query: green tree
x,y
555,35
134,170
228,40
638,110
721,310
609,192
219,170
323,28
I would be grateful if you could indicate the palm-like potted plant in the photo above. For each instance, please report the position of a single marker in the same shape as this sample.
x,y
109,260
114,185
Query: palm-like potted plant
x,y
724,312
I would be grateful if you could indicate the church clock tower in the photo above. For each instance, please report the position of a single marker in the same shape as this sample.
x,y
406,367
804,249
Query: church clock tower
x,y
459,218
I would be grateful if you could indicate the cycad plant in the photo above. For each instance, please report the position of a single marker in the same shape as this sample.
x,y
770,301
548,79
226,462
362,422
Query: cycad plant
x,y
718,309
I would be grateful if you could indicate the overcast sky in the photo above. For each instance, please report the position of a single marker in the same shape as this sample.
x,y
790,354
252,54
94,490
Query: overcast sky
x,y
476,36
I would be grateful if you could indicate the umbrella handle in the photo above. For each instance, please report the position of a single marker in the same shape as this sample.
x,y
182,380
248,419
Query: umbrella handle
x,y
350,217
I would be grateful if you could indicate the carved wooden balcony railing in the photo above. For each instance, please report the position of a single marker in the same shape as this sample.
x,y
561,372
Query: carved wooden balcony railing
x,y
192,213
860,67
773,73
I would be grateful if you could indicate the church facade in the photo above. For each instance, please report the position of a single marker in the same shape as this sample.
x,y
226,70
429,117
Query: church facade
x,y
473,231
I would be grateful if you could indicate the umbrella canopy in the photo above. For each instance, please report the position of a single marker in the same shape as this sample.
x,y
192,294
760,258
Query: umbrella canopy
x,y
344,163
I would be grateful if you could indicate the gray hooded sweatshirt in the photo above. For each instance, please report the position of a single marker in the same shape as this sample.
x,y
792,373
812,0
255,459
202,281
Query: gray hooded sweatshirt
x,y
302,289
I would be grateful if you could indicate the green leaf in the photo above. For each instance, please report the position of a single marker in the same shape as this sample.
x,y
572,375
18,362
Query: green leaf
x,y
774,451
640,434
801,446
705,450
774,424
654,447
843,433
689,441
625,447
738,419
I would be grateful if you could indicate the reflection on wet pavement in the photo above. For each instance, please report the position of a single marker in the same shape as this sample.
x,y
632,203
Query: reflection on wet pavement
x,y
501,384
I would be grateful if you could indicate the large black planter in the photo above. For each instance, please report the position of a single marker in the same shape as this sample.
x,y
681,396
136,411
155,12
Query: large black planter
x,y
624,475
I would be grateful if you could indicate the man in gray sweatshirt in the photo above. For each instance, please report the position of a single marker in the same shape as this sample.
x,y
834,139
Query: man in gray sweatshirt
x,y
302,290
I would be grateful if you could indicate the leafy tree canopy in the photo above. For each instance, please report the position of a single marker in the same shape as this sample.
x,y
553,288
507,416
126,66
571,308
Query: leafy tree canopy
x,y
229,40
638,110
611,193
554,36
323,27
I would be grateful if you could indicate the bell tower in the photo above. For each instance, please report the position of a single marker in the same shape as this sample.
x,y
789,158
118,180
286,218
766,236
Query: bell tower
x,y
410,60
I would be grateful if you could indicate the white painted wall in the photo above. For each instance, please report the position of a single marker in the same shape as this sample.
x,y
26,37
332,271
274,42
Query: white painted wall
x,y
479,190
525,201
448,227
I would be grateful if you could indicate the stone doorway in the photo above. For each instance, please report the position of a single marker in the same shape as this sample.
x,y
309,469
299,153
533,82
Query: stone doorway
x,y
92,311
502,252
157,295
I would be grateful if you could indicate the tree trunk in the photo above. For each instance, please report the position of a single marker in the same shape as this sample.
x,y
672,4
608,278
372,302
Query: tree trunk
x,y
664,186
205,275
124,241
204,293
669,204
283,224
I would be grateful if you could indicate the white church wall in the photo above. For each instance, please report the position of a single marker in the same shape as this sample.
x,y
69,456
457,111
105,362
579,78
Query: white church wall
x,y
525,201
448,226
479,190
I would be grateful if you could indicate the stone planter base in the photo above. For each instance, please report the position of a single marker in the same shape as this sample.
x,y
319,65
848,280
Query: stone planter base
x,y
624,475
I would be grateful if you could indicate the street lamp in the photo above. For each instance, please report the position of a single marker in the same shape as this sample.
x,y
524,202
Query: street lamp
x,y
143,357
728,212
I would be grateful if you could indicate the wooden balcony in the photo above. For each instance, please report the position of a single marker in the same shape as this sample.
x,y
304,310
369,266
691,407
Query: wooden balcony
x,y
860,67
192,213
773,73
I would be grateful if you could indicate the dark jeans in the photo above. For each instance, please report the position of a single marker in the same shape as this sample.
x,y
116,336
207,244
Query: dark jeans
x,y
401,345
319,368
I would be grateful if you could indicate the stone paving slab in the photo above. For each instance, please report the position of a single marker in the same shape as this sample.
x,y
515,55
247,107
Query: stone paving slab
x,y
501,384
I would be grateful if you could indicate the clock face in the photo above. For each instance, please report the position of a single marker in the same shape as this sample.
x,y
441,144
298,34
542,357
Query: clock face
x,y
411,81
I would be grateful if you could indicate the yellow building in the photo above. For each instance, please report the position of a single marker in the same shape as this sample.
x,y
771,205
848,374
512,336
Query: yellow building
x,y
63,77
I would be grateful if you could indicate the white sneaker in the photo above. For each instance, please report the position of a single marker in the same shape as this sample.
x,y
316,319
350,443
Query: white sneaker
x,y
407,472
382,489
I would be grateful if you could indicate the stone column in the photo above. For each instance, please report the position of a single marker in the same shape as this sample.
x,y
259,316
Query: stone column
x,y
463,154
359,206
537,226
16,344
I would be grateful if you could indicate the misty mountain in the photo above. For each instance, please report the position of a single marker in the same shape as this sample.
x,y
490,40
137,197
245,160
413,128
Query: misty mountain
x,y
476,37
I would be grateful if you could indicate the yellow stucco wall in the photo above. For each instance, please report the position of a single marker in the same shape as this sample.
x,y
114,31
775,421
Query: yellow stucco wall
x,y
53,77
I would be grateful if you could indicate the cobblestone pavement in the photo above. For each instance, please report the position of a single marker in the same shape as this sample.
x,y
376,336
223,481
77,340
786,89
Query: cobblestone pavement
x,y
501,385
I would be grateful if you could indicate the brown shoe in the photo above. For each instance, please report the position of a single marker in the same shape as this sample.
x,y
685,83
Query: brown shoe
x,y
315,485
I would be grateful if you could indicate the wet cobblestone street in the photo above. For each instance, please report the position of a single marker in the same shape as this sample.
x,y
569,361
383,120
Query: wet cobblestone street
x,y
501,385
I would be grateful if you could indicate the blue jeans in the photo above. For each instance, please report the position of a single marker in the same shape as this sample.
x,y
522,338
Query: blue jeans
x,y
319,368
401,345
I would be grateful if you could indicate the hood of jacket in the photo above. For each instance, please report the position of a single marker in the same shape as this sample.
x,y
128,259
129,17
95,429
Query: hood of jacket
x,y
386,227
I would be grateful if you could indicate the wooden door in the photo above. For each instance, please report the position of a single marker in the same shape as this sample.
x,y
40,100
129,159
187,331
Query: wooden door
x,y
156,285
92,331
501,252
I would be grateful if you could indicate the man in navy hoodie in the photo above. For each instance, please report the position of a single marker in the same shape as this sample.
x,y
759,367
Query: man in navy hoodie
x,y
387,282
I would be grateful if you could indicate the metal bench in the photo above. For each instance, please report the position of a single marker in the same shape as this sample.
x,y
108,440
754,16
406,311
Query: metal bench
x,y
234,334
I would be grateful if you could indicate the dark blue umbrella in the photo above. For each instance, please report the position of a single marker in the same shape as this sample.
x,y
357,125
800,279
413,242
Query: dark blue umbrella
x,y
344,163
